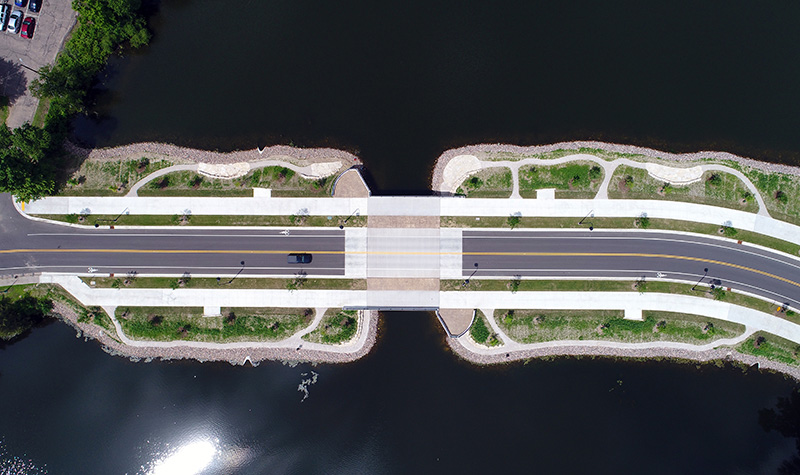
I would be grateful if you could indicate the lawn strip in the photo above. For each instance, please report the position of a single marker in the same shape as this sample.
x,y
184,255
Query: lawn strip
x,y
187,282
205,220
576,180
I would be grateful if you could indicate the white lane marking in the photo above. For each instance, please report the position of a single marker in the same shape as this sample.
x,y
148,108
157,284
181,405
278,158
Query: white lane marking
x,y
730,247
276,235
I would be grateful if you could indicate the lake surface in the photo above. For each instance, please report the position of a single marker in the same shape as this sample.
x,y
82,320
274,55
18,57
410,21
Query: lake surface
x,y
398,83
409,407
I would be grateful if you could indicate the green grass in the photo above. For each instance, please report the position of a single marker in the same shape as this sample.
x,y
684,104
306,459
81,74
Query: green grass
x,y
282,181
337,326
771,347
40,113
488,183
96,316
621,223
3,108
206,220
212,283
571,180
784,205
235,324
109,178
534,326
714,189
614,286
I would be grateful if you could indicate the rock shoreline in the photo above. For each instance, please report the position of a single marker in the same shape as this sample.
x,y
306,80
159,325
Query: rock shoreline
x,y
234,356
707,356
296,156
444,158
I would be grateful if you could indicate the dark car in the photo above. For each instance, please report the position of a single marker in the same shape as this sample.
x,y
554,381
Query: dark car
x,y
19,3
35,6
299,258
4,11
27,27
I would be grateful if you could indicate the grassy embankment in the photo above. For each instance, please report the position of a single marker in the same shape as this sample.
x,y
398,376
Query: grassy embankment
x,y
781,193
337,326
714,188
771,347
109,178
535,326
514,285
576,180
282,181
488,183
188,282
481,332
235,323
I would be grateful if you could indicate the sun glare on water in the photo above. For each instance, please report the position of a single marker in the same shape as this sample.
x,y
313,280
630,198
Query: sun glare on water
x,y
189,459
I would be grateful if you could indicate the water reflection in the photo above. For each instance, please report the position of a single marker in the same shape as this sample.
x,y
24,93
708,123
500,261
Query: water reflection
x,y
786,421
189,459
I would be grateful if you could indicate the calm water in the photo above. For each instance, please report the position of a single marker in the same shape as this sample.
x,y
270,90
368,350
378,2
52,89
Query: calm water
x,y
397,83
409,407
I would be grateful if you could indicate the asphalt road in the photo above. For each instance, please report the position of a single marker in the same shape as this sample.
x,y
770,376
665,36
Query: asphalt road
x,y
29,246
633,255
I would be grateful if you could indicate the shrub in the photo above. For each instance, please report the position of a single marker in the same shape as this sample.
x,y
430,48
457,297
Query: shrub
x,y
643,222
513,221
478,331
781,196
595,172
714,179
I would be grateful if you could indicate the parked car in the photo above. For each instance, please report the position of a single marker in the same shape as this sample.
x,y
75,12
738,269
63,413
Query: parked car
x,y
34,6
299,258
27,27
20,3
15,21
4,9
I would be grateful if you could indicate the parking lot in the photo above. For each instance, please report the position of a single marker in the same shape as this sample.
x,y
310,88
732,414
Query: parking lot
x,y
18,54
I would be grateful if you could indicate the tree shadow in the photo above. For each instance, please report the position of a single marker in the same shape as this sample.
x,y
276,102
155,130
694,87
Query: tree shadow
x,y
13,83
785,419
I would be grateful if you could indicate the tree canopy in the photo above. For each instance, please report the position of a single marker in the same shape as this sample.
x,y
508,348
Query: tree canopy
x,y
20,314
25,170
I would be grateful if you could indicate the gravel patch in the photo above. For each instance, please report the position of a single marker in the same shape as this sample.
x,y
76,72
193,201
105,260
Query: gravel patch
x,y
724,354
238,356
437,175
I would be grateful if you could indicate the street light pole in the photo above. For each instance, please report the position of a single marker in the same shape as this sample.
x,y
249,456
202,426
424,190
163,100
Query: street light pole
x,y
591,225
341,226
705,273
234,277
466,282
28,67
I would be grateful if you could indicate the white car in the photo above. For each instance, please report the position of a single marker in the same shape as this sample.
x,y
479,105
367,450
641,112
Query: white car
x,y
15,21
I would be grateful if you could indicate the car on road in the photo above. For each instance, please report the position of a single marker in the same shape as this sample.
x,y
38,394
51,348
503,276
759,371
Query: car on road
x,y
4,9
27,27
299,258
34,6
14,21
20,3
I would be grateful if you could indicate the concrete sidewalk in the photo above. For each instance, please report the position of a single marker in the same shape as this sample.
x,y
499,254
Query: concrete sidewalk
x,y
419,206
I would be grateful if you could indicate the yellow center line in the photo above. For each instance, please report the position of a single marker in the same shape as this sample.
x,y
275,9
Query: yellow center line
x,y
408,253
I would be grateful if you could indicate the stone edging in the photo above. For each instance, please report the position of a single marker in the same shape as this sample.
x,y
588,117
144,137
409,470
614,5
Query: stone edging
x,y
445,157
296,156
728,355
237,356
